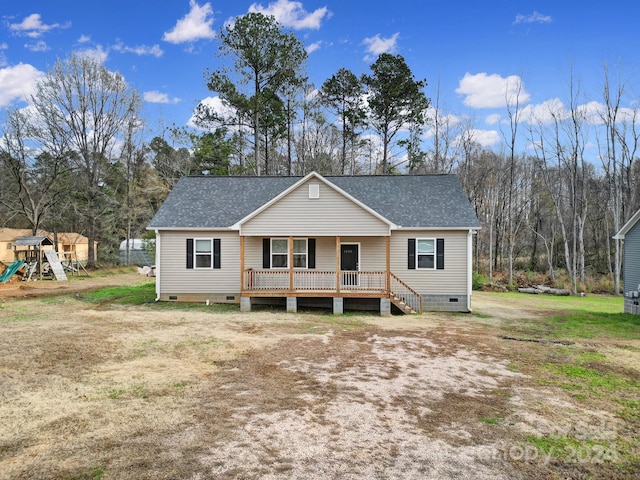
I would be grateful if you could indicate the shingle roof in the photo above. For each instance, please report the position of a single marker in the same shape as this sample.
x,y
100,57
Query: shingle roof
x,y
10,234
421,201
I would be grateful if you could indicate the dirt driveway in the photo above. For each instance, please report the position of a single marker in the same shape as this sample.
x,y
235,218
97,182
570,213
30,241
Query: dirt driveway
x,y
147,392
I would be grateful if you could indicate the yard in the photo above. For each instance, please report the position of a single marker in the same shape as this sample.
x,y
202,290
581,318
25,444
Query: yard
x,y
107,385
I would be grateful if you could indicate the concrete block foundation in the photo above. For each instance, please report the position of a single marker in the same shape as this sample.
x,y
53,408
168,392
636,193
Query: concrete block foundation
x,y
245,304
292,304
385,307
338,305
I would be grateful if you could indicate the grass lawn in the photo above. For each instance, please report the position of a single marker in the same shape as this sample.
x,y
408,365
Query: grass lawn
x,y
109,384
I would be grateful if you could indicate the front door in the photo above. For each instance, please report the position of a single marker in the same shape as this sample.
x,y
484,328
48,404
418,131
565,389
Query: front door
x,y
349,258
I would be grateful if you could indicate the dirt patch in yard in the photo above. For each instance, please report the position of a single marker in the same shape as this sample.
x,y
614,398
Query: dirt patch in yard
x,y
145,392
76,284
368,404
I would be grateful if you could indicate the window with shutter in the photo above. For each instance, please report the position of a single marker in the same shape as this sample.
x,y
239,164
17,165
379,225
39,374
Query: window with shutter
x,y
203,253
426,253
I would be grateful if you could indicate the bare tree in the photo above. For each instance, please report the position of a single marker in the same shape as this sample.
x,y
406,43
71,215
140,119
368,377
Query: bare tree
x,y
33,179
609,154
440,158
514,111
89,108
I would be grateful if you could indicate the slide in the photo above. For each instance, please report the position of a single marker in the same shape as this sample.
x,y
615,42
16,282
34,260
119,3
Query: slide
x,y
9,272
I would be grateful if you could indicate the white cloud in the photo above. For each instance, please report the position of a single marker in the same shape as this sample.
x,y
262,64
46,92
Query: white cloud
x,y
314,46
544,113
493,119
4,46
534,17
552,110
595,113
377,45
39,46
292,14
98,53
154,96
486,138
84,39
445,120
18,82
33,27
492,91
154,50
195,25
214,105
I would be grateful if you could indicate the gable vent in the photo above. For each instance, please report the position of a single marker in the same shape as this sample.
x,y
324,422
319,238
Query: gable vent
x,y
314,190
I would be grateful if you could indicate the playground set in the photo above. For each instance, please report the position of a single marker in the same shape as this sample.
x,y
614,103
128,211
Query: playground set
x,y
36,259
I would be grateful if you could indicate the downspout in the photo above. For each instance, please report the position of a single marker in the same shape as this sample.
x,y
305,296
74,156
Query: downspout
x,y
157,265
469,268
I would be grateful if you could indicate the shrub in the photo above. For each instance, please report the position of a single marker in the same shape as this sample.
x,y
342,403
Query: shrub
x,y
479,280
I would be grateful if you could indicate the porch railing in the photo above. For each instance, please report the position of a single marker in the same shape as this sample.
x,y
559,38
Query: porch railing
x,y
309,280
407,294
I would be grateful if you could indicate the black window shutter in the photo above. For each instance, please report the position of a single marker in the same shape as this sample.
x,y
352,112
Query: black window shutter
x,y
216,253
440,253
189,252
266,253
412,254
311,253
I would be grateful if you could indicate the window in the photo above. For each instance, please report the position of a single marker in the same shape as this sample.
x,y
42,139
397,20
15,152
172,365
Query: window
x,y
280,253
300,253
426,252
203,253
8,246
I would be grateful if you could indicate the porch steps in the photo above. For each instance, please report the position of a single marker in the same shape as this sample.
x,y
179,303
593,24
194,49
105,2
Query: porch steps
x,y
404,297
402,306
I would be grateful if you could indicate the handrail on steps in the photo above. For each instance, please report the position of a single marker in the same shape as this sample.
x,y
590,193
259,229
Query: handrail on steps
x,y
408,295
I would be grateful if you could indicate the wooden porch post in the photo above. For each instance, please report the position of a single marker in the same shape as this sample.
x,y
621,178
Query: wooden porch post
x,y
338,264
242,286
388,273
291,264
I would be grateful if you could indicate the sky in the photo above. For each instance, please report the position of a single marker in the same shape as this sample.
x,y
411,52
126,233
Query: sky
x,y
471,53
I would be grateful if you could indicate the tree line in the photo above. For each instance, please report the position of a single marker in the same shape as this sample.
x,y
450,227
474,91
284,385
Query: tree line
x,y
78,157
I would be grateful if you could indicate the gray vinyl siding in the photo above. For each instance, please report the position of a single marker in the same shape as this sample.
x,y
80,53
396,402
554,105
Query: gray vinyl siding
x,y
450,281
253,253
331,214
176,278
372,253
631,269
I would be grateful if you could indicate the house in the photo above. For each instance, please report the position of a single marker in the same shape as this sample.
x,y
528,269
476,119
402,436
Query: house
x,y
71,245
342,240
75,246
630,233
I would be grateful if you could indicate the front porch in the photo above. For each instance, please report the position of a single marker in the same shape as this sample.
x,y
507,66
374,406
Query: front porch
x,y
335,284
302,267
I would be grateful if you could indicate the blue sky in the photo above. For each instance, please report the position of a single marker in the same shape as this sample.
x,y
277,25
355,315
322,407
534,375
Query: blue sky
x,y
473,50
